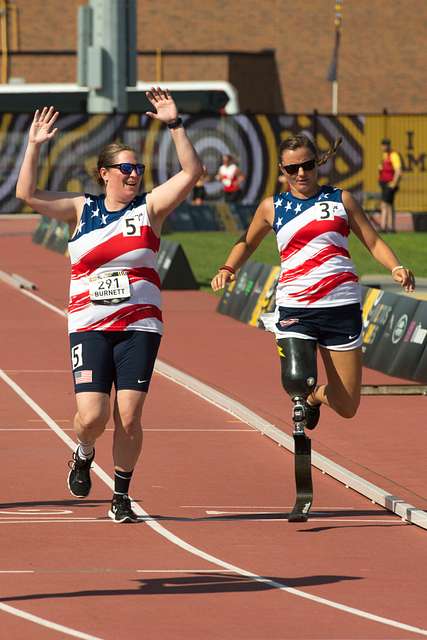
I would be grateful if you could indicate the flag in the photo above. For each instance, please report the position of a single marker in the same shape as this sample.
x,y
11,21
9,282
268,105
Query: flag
x,y
333,67
83,376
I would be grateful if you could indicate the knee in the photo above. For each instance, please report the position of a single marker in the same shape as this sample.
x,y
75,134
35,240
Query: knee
x,y
130,423
93,418
349,409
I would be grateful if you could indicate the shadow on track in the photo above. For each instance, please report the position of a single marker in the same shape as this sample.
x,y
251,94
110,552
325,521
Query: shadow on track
x,y
196,583
52,503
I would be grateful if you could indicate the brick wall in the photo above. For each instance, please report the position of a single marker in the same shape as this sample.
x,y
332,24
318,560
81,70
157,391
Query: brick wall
x,y
383,57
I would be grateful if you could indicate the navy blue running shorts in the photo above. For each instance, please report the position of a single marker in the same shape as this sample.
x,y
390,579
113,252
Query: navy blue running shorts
x,y
100,359
335,328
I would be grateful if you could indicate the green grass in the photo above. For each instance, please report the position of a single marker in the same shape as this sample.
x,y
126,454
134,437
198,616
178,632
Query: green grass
x,y
207,250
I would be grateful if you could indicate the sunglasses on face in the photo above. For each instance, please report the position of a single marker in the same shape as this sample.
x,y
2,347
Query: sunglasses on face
x,y
127,167
293,169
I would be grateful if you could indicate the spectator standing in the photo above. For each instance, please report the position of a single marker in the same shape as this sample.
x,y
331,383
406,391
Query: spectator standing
x,y
231,178
390,171
198,196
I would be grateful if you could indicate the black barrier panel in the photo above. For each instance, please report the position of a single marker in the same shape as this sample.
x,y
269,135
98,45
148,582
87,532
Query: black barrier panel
x,y
377,310
240,296
244,212
226,298
410,362
174,269
181,219
387,347
266,302
57,240
421,370
254,295
205,218
42,229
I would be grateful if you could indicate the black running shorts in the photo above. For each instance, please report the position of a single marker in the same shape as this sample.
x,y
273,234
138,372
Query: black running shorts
x,y
100,359
336,328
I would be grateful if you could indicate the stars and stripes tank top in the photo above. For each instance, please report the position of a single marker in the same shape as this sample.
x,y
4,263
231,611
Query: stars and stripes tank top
x,y
114,283
312,238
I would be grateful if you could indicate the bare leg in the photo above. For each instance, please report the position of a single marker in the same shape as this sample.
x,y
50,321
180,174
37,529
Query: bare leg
x,y
127,442
344,374
383,218
93,412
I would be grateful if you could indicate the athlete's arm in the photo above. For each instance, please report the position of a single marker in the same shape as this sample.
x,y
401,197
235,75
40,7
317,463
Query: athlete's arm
x,y
259,227
60,205
164,198
376,246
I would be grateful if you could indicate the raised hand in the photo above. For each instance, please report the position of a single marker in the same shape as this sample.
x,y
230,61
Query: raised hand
x,y
41,127
163,103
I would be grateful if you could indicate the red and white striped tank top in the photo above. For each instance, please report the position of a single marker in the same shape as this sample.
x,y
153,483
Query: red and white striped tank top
x,y
312,237
114,284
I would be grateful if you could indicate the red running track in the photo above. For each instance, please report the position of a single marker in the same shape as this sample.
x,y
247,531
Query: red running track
x,y
217,493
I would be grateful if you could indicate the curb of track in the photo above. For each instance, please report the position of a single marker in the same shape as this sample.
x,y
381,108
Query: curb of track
x,y
377,495
406,511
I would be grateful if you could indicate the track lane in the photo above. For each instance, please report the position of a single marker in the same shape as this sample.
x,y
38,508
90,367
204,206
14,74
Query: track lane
x,y
257,468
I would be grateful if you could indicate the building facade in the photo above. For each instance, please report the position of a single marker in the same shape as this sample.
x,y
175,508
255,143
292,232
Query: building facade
x,y
275,52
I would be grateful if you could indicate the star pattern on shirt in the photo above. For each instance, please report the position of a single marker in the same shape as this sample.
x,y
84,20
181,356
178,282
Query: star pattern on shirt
x,y
298,208
104,219
80,226
288,206
278,202
95,213
323,196
279,223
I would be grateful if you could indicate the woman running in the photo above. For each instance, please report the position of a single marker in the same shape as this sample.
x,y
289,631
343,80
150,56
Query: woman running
x,y
114,315
318,296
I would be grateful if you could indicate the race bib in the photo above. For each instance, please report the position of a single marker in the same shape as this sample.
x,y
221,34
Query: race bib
x,y
326,210
112,287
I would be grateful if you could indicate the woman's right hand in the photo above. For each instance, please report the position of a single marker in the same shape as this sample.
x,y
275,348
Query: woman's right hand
x,y
221,279
41,126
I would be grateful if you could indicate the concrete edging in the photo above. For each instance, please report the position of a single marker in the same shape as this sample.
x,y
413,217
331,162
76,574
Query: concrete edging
x,y
377,495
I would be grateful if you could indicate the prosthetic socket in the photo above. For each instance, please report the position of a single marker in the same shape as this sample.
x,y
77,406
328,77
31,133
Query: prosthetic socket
x,y
299,373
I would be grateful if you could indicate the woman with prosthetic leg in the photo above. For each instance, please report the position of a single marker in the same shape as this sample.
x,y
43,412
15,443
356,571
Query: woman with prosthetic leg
x,y
298,361
318,297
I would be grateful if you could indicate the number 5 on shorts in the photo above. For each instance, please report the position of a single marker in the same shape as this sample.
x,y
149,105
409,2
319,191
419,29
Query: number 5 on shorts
x,y
77,356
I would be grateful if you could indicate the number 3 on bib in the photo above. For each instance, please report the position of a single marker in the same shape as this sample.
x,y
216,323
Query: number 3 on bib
x,y
324,211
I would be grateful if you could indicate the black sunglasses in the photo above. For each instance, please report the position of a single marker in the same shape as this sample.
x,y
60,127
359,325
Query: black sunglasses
x,y
128,167
292,169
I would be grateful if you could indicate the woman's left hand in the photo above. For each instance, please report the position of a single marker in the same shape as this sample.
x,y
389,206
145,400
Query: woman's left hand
x,y
163,103
405,278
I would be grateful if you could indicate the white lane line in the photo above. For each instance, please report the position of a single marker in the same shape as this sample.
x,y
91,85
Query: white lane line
x,y
182,544
178,430
35,512
46,623
37,371
17,571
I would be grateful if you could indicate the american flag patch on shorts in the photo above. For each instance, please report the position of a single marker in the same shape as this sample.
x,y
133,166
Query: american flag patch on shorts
x,y
81,377
288,323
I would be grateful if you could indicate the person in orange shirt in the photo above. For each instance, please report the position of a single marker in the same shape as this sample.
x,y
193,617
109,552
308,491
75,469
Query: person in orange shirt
x,y
390,171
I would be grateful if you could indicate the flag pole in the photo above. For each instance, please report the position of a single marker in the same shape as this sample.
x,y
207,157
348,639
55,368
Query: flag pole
x,y
332,76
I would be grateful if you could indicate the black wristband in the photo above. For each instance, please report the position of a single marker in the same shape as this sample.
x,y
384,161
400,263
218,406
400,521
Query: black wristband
x,y
175,123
